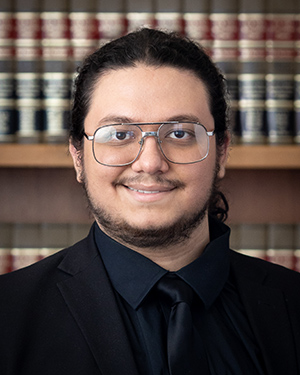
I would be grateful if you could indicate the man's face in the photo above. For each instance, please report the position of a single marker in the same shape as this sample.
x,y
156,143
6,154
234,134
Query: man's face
x,y
151,193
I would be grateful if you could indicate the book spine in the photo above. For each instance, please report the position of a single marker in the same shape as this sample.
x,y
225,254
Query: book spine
x,y
168,16
57,78
252,55
28,76
140,14
281,245
112,21
5,260
297,79
196,21
23,257
283,257
7,92
5,247
225,32
252,240
84,33
25,245
280,48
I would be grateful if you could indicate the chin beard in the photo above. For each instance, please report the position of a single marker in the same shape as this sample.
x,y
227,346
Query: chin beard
x,y
150,237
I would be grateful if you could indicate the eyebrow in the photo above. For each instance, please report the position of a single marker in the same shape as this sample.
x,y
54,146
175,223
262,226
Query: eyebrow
x,y
113,119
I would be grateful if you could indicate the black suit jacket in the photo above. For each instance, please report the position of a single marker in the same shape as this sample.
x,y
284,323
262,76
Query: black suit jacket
x,y
60,316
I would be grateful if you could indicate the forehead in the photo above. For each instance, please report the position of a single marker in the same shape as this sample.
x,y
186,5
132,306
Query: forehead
x,y
149,94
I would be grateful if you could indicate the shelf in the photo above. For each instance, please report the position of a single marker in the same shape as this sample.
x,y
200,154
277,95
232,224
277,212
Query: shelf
x,y
264,157
241,157
35,156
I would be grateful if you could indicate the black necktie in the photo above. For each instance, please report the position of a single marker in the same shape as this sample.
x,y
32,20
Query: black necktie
x,y
181,344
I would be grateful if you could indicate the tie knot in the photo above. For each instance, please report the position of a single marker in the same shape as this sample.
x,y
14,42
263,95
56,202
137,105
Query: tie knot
x,y
174,290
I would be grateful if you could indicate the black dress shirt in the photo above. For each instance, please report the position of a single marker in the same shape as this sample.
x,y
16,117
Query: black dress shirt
x,y
228,342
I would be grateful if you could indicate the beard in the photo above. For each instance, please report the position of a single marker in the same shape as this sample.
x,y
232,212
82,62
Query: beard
x,y
152,236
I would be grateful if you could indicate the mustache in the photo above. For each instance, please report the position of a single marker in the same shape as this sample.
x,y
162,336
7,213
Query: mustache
x,y
154,180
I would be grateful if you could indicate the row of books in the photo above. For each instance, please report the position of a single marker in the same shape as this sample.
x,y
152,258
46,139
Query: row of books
x,y
276,243
23,244
256,43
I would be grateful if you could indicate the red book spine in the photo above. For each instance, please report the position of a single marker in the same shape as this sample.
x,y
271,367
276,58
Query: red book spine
x,y
283,257
5,261
112,21
168,15
111,25
197,25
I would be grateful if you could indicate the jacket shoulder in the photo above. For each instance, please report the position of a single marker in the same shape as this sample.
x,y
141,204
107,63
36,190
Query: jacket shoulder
x,y
264,271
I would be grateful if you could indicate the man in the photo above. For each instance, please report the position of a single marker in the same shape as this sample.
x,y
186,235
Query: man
x,y
149,141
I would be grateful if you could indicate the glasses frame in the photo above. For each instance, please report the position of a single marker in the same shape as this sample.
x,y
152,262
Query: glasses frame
x,y
149,134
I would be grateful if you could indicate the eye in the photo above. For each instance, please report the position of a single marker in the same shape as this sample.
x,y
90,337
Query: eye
x,y
111,135
179,134
121,136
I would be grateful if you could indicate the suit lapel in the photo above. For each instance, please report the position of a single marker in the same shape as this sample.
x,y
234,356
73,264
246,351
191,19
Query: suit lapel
x,y
268,316
90,298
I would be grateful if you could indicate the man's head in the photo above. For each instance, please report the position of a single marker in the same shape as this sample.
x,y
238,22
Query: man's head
x,y
150,76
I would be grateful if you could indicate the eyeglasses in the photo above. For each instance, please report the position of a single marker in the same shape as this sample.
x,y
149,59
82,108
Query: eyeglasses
x,y
117,145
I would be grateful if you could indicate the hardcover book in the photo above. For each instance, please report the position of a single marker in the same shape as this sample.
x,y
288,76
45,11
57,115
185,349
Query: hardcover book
x,y
7,94
28,71
252,56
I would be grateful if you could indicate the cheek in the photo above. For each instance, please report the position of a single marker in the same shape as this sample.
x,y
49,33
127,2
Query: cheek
x,y
198,182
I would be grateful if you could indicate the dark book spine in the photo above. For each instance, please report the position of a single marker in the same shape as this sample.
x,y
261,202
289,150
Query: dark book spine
x,y
28,71
168,15
112,21
140,14
297,79
252,56
57,77
225,32
281,30
7,93
197,26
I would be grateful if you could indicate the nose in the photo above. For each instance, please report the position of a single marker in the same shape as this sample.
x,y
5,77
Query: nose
x,y
151,160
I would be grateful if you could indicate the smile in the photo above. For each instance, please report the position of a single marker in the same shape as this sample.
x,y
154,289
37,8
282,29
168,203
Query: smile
x,y
144,191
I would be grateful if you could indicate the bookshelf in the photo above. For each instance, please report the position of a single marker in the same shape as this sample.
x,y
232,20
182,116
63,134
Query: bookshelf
x,y
241,157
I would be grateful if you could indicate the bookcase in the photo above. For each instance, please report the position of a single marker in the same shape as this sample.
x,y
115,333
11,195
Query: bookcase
x,y
262,183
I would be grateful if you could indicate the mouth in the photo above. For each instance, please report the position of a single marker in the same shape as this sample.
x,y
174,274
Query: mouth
x,y
144,191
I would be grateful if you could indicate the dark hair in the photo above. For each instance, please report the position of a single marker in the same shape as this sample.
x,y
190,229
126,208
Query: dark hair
x,y
153,48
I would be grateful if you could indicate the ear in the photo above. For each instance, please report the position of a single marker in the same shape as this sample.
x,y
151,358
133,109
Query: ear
x,y
224,156
77,161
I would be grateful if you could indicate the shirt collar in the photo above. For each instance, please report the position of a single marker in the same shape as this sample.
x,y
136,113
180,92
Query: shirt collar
x,y
134,275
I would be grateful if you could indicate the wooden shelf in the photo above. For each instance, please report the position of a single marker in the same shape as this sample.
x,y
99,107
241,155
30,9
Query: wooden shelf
x,y
264,157
35,156
241,157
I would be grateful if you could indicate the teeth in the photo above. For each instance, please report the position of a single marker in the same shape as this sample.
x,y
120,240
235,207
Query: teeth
x,y
143,191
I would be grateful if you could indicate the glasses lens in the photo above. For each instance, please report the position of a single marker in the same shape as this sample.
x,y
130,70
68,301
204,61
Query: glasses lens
x,y
184,142
116,144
